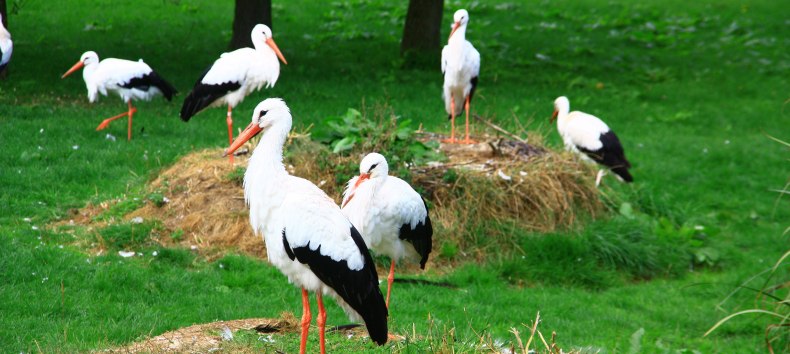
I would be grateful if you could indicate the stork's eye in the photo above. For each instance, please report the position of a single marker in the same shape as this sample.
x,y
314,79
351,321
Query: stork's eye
x,y
263,113
372,167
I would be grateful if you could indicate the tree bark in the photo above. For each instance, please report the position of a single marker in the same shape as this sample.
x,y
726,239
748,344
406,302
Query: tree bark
x,y
421,33
249,13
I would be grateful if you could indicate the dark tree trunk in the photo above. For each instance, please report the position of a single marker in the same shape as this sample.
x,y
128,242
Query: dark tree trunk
x,y
4,13
421,33
249,13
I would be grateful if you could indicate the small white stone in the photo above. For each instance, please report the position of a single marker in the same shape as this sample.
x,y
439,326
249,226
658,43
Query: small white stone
x,y
193,247
41,131
109,137
75,147
154,253
502,175
137,220
34,227
126,254
27,219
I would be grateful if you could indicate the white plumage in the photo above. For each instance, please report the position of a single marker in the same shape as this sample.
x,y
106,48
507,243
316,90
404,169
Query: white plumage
x,y
391,216
591,138
114,75
131,80
461,68
307,237
235,75
6,45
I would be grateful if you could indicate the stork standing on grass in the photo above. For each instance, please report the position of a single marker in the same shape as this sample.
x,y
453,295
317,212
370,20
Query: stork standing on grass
x,y
592,139
391,216
129,79
234,76
461,67
6,45
307,237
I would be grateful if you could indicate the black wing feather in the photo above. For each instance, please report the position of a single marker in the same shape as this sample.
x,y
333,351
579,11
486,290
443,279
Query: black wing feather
x,y
358,288
611,155
144,83
202,95
421,237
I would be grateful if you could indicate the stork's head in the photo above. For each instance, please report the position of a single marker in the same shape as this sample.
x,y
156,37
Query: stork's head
x,y
561,104
374,165
87,58
460,18
268,113
263,34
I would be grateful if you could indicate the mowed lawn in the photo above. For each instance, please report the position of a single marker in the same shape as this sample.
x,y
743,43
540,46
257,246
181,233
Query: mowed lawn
x,y
692,89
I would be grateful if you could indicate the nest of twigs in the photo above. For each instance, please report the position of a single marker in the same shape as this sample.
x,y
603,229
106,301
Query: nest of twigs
x,y
479,186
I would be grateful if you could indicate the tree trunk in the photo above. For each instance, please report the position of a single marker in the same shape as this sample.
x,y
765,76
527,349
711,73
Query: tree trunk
x,y
4,14
249,13
421,42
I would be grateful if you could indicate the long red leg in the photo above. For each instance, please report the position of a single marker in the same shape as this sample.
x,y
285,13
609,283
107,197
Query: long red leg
x,y
306,318
321,322
452,122
229,120
466,107
390,279
132,110
107,121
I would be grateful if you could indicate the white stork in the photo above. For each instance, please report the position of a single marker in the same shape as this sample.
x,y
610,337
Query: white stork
x,y
129,79
6,45
391,216
306,235
461,67
591,138
234,76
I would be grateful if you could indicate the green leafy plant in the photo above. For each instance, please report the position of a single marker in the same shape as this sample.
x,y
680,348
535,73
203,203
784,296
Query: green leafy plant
x,y
355,132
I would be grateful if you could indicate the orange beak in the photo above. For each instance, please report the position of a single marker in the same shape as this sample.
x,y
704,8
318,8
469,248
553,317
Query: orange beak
x,y
554,116
252,130
362,178
455,27
270,43
74,68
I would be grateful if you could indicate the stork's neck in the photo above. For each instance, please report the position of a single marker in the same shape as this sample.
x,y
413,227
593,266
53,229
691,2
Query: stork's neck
x,y
266,170
562,117
458,38
88,70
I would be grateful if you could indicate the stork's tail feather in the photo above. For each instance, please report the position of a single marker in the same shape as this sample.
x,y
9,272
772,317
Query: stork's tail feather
x,y
192,105
167,89
623,173
203,95
375,316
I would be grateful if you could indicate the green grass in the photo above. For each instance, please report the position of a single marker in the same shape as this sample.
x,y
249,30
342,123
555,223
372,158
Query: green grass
x,y
691,88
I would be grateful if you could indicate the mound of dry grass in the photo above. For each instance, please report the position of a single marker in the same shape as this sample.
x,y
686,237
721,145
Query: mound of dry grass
x,y
494,182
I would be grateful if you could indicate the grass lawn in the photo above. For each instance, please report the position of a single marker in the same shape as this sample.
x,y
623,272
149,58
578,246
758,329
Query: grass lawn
x,y
691,88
